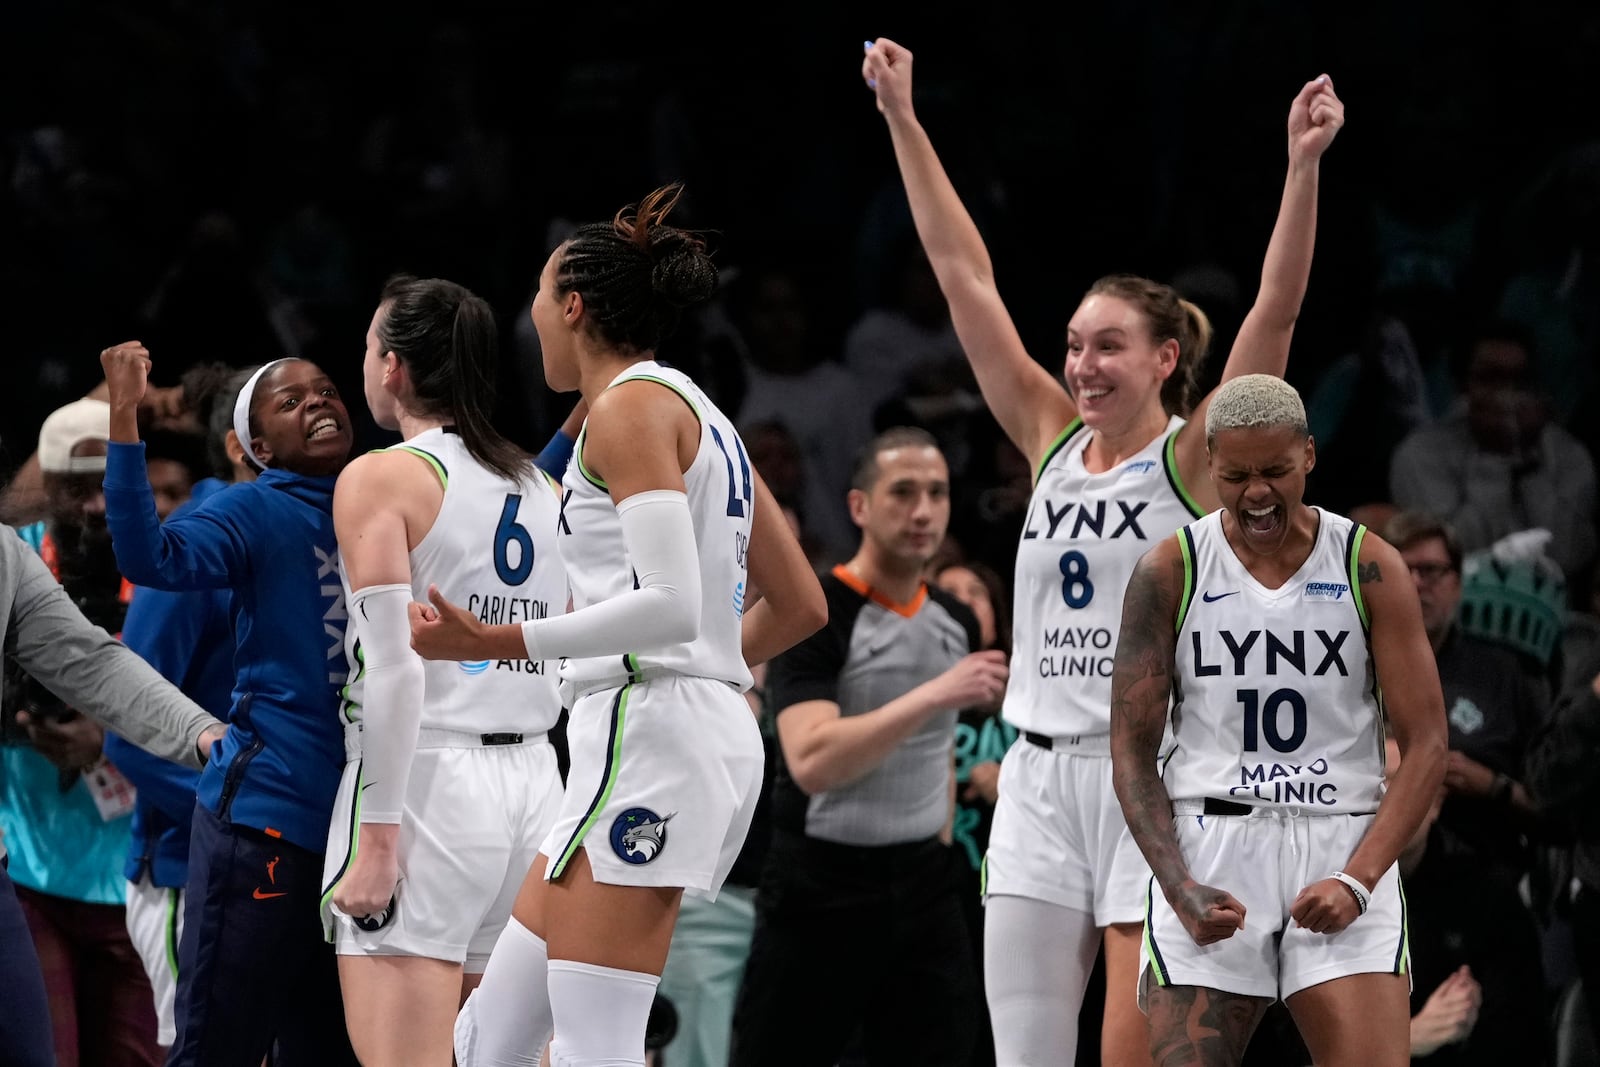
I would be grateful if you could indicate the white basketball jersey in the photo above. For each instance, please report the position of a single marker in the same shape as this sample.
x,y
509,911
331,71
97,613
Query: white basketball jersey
x,y
1084,534
1277,700
492,551
721,503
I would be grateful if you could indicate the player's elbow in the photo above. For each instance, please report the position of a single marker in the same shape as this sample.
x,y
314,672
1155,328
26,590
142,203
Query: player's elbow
x,y
810,612
679,619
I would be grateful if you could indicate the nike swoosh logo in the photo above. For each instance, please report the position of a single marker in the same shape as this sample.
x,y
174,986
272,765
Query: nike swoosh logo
x,y
1209,599
259,895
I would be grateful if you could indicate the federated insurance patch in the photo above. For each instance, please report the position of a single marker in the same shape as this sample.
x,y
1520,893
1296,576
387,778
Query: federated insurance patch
x,y
639,835
1326,590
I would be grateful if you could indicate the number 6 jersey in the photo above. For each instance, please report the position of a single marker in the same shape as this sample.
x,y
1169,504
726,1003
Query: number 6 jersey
x,y
721,504
1083,536
489,550
1276,701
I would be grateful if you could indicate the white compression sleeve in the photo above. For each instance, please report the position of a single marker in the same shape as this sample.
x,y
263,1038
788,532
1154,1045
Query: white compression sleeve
x,y
658,533
391,698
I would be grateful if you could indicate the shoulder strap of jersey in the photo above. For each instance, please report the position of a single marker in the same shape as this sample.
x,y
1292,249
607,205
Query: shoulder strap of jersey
x,y
1169,463
1056,446
1352,565
433,461
1186,547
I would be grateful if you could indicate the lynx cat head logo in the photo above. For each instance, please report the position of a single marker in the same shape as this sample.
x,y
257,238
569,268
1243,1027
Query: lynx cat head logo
x,y
638,835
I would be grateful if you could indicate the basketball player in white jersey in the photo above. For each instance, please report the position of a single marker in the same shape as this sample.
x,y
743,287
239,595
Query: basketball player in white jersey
x,y
1116,467
668,536
452,782
1287,633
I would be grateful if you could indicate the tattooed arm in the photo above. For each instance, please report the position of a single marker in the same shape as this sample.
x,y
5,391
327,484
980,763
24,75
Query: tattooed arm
x,y
1408,678
1141,688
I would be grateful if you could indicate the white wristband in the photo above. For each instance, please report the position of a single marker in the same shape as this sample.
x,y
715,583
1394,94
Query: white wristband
x,y
1363,898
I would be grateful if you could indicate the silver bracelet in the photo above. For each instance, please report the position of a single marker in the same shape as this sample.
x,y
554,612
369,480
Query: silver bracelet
x,y
1363,898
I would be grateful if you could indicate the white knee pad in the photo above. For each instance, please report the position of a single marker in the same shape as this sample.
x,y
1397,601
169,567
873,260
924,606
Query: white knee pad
x,y
600,1014
506,1020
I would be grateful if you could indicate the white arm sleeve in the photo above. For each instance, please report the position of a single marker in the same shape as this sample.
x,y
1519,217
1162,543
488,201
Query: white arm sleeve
x,y
664,609
391,698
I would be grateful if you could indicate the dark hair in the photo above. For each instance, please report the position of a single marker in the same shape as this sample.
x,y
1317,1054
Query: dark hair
x,y
864,473
1406,529
1506,330
636,275
186,449
1170,318
219,420
448,340
999,597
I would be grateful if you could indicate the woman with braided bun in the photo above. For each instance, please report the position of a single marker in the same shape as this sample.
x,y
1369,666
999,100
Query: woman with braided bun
x,y
669,538
1116,468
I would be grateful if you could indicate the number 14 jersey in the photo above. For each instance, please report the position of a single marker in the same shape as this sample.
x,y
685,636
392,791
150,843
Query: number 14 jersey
x,y
1277,702
1084,534
721,504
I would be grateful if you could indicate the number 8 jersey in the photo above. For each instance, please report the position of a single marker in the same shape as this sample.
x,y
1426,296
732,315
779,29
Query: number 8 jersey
x,y
1084,534
1277,701
721,503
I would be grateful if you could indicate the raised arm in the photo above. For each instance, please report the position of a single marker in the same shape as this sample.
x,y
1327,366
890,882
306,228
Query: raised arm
x,y
1142,679
194,551
1262,344
1031,405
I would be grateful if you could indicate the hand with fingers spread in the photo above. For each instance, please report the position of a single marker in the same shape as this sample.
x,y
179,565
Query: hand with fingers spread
x,y
1314,120
443,630
1326,906
1209,914
887,72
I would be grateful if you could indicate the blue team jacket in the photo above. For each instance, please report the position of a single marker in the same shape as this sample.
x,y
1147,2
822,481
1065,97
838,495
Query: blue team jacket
x,y
271,542
188,637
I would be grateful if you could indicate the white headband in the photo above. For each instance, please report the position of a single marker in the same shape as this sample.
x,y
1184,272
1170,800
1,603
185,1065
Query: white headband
x,y
241,412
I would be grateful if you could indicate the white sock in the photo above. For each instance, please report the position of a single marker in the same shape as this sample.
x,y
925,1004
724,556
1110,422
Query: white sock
x,y
601,1014
1037,958
506,1020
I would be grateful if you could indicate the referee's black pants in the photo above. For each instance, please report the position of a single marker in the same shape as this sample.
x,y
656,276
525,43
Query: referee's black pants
x,y
863,947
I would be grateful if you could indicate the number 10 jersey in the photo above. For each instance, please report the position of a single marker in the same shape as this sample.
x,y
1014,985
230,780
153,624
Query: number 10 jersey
x,y
1277,701
1084,534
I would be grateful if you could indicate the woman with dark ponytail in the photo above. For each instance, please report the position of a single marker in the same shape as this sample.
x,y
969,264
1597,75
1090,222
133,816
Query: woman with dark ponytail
x,y
683,573
451,782
1117,448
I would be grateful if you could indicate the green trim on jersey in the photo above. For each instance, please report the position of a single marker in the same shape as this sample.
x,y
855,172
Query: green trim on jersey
x,y
429,458
1186,548
1402,958
1152,955
983,878
1169,462
619,717
345,703
577,454
1356,537
1056,446
170,941
687,399
350,852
